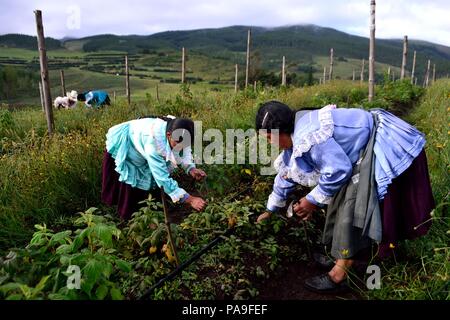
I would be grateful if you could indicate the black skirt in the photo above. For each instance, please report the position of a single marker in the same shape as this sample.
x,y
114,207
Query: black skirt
x,y
118,193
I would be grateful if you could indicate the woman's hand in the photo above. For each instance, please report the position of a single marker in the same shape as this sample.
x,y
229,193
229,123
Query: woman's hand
x,y
197,174
263,216
304,209
196,203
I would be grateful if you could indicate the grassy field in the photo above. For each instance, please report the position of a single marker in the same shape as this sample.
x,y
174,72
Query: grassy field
x,y
344,69
105,70
46,181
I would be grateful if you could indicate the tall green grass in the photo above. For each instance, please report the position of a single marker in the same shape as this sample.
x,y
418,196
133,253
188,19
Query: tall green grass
x,y
425,274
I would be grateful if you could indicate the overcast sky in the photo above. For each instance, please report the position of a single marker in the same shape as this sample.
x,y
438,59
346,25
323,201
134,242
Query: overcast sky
x,y
419,19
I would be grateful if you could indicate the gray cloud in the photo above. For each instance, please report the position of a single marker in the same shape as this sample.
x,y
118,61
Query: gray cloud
x,y
426,20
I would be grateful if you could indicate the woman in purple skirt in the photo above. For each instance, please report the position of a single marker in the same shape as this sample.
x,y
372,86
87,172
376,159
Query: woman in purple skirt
x,y
368,168
139,158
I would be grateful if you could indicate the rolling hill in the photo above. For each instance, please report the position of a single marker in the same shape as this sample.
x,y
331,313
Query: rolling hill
x,y
23,41
212,54
298,43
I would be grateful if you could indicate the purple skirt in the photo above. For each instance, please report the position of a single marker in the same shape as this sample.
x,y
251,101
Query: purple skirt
x,y
119,193
407,205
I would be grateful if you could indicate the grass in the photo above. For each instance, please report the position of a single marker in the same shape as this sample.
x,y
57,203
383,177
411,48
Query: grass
x,y
45,180
426,274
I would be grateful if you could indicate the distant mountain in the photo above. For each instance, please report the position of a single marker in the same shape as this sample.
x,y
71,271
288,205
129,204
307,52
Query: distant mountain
x,y
300,43
67,39
23,41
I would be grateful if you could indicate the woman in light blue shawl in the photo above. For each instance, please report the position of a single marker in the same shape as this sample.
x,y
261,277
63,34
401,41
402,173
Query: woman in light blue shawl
x,y
139,158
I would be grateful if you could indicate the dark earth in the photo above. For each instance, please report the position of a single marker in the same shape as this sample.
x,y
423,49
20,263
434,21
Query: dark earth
x,y
287,282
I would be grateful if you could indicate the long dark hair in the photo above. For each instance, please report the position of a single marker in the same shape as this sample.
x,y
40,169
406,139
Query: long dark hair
x,y
183,128
274,115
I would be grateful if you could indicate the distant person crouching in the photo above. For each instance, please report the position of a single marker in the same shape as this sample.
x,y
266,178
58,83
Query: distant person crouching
x,y
94,99
67,102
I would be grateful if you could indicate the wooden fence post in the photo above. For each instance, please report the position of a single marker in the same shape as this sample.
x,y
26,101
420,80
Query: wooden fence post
x,y
330,77
127,80
283,72
44,72
324,75
434,72
427,75
372,51
405,55
63,83
236,70
41,94
247,67
413,70
353,76
183,65
362,72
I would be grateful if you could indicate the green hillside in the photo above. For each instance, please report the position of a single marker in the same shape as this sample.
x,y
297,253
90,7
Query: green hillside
x,y
297,43
98,61
27,42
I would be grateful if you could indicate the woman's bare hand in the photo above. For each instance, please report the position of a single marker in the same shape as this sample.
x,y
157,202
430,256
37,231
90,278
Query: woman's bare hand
x,y
196,203
263,216
304,209
197,174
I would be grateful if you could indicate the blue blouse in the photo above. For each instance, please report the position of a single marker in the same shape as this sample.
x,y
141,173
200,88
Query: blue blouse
x,y
95,98
143,156
327,143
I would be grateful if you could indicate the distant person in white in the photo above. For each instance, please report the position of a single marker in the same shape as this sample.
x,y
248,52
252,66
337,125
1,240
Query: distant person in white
x,y
67,102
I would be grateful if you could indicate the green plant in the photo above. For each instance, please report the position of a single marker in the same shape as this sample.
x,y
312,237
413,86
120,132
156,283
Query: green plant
x,y
399,96
39,270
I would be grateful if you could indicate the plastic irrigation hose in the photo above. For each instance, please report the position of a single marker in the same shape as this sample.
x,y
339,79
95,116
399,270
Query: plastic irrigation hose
x,y
186,263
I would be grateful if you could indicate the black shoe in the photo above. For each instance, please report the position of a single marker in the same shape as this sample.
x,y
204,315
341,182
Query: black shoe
x,y
324,284
323,261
